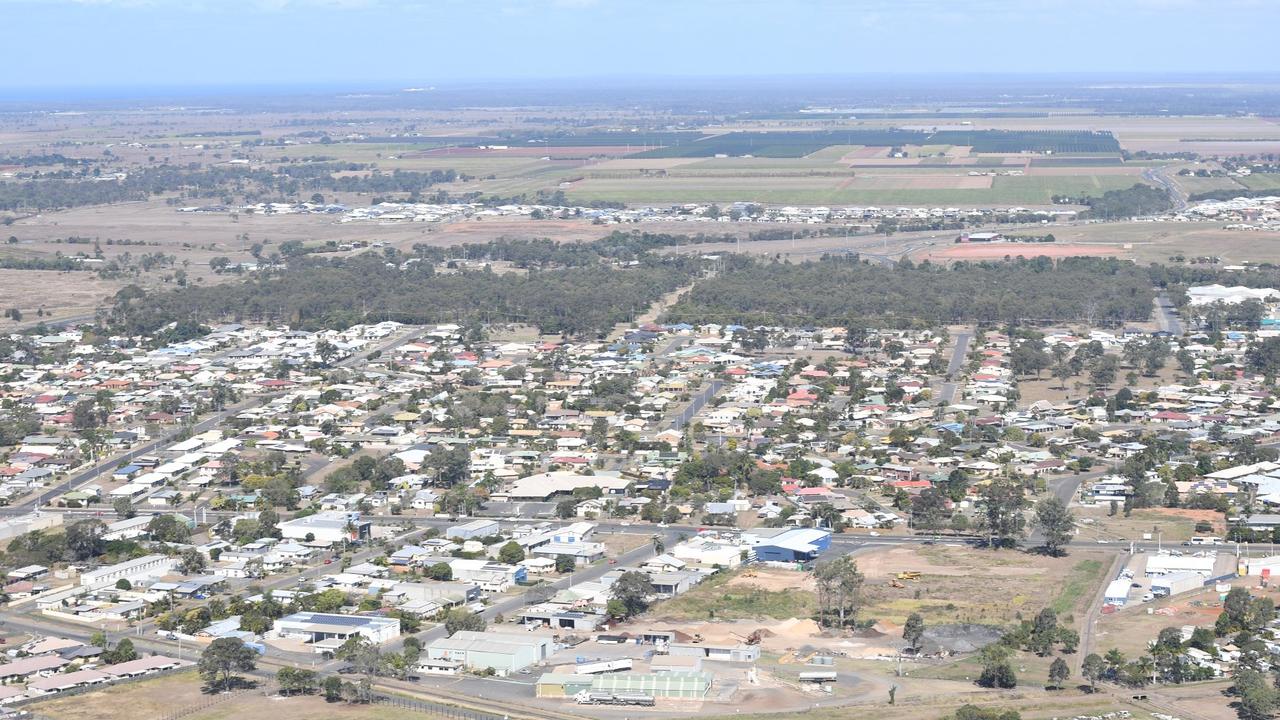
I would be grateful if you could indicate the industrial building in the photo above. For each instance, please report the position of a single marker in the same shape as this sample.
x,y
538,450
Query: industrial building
x,y
786,545
682,685
326,528
473,529
138,570
1165,564
1117,592
326,631
1174,583
505,653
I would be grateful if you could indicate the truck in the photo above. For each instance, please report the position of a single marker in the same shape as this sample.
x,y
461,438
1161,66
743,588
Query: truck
x,y
603,698
603,666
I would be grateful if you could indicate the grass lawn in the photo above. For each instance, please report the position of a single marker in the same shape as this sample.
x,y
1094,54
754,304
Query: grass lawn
x,y
1082,580
737,602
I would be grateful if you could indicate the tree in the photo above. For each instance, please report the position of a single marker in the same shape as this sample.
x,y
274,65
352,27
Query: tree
x,y
1003,501
511,553
332,688
632,590
1058,673
839,589
566,509
913,630
124,584
997,671
192,561
123,507
84,539
929,511
1044,631
122,652
564,564
1056,523
167,528
222,659
1258,698
296,681
1093,668
441,571
460,618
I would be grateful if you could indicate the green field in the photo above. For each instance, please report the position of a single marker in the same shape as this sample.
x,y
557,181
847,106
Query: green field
x,y
832,153
1261,181
1192,184
822,190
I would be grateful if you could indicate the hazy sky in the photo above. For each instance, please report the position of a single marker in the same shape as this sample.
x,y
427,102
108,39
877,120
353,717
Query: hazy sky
x,y
118,43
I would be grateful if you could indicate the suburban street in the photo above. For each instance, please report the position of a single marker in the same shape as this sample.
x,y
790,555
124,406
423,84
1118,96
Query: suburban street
x,y
955,366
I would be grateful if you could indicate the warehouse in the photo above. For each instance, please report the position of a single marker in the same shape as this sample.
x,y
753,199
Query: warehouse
x,y
722,653
505,653
1117,592
1164,564
1174,583
328,630
473,529
786,545
326,528
682,685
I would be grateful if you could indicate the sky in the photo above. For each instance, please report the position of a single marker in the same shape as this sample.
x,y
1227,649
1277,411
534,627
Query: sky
x,y
51,44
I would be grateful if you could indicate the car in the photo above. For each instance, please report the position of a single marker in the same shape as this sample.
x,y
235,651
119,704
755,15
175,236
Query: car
x,y
328,561
1136,585
613,561
873,533
524,671
1103,542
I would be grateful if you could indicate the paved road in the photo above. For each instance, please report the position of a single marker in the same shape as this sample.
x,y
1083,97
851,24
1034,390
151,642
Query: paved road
x,y
1160,179
1167,315
955,366
703,396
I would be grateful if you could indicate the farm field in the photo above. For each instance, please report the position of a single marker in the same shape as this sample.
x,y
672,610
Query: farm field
x,y
1019,190
1261,181
1191,184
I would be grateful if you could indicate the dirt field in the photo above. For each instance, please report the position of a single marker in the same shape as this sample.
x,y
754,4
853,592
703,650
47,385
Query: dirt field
x,y
999,250
963,584
1172,525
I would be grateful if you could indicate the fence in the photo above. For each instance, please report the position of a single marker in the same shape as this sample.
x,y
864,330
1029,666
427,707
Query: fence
x,y
435,709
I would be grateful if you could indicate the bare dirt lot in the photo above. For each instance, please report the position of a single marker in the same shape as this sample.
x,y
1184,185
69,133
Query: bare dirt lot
x,y
963,584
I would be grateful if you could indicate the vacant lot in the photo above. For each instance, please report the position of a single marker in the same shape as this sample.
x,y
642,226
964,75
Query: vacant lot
x,y
162,697
745,594
963,584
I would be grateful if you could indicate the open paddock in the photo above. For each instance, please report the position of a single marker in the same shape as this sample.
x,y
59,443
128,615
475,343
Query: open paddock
x,y
995,251
834,190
